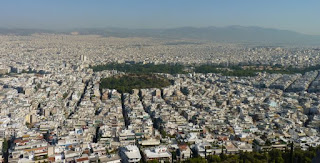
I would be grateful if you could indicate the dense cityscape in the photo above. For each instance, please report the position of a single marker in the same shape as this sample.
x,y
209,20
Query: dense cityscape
x,y
56,107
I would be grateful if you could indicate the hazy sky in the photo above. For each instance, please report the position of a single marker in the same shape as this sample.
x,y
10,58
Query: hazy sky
x,y
297,15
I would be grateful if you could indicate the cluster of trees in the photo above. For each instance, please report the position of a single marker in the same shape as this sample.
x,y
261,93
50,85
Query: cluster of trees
x,y
277,156
142,68
232,70
125,83
239,71
303,70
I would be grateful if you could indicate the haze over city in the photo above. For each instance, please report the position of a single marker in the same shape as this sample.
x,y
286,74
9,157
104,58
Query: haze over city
x,y
292,15
146,81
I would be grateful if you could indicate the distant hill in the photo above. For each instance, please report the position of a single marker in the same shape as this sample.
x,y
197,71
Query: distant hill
x,y
242,34
220,34
22,31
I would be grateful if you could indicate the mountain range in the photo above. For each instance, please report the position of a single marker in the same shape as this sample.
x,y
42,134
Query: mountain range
x,y
239,34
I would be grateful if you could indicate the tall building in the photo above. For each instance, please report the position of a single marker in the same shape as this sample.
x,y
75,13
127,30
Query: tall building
x,y
83,58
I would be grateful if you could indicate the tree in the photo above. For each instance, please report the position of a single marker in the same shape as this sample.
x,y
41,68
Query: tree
x,y
291,152
214,158
196,160
65,95
276,156
268,142
5,147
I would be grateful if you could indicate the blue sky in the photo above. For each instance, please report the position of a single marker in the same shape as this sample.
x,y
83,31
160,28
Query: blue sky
x,y
297,15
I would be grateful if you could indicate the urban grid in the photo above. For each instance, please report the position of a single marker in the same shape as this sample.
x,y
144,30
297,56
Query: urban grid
x,y
53,107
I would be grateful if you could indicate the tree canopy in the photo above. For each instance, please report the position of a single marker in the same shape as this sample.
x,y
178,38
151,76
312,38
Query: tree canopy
x,y
125,83
274,155
142,68
233,70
